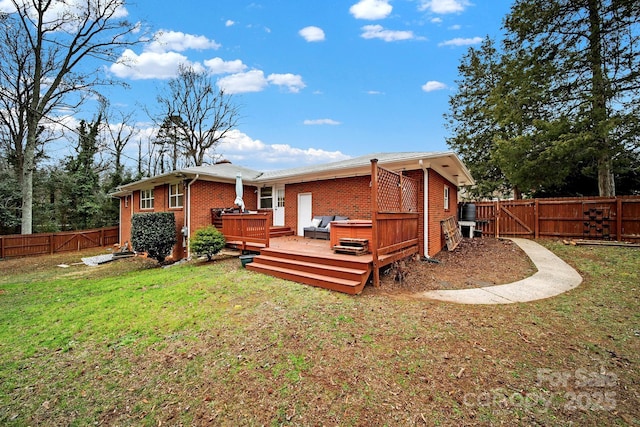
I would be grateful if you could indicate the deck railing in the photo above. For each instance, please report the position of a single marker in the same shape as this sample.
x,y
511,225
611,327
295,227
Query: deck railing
x,y
18,245
246,229
395,217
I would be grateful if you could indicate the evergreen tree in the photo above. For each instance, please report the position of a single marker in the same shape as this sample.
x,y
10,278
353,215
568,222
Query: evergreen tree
x,y
9,200
473,122
591,53
555,112
80,196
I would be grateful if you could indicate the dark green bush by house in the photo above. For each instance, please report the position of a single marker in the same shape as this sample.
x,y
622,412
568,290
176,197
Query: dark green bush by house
x,y
154,233
207,241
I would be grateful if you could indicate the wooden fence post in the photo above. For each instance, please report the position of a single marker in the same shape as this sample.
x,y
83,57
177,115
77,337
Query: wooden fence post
x,y
536,219
619,218
497,213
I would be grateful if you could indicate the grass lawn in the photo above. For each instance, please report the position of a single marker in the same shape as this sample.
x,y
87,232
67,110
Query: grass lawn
x,y
200,343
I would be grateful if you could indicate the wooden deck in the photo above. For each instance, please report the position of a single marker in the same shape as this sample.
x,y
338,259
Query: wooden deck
x,y
312,262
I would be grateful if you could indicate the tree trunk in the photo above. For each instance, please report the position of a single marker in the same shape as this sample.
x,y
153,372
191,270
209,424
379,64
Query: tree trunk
x,y
599,96
606,182
27,185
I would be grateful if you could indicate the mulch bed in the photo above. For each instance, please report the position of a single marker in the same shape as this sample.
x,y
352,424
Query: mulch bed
x,y
474,263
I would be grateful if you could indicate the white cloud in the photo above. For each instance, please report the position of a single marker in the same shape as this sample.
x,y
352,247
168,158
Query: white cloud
x,y
371,9
241,149
288,156
459,41
312,34
165,41
229,23
251,81
322,122
443,6
220,66
255,81
374,92
161,58
236,141
7,6
455,27
149,65
378,32
433,85
293,82
436,20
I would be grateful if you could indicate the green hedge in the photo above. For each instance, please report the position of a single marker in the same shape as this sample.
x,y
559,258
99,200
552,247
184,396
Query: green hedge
x,y
154,233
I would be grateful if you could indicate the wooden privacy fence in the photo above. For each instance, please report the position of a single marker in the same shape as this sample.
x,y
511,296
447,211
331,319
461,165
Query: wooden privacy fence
x,y
606,218
18,245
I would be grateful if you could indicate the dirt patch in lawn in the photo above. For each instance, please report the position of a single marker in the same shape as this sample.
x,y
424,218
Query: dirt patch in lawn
x,y
475,263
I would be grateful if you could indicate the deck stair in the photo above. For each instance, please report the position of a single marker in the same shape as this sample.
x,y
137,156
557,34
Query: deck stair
x,y
352,246
335,273
279,231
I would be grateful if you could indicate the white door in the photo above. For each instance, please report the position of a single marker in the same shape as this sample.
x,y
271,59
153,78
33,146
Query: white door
x,y
278,207
304,212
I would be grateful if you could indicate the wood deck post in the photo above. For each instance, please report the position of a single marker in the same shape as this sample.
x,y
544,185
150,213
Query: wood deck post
x,y
374,221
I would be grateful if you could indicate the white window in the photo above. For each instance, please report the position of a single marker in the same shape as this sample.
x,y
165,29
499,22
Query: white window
x,y
280,198
446,198
176,197
146,199
266,198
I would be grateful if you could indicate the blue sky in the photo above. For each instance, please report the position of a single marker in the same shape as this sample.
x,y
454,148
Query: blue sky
x,y
315,80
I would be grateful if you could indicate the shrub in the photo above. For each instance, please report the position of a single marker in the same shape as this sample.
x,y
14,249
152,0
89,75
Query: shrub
x,y
207,241
154,233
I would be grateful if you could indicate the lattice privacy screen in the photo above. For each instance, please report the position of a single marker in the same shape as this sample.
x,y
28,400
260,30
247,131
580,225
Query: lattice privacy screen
x,y
396,192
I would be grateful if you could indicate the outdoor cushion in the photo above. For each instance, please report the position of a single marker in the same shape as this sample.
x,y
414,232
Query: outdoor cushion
x,y
315,222
326,219
341,218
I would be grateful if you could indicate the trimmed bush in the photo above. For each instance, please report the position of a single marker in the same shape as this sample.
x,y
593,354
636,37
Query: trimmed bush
x,y
207,241
154,233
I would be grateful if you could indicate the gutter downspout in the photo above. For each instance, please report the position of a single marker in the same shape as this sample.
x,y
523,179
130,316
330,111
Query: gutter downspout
x,y
425,208
188,214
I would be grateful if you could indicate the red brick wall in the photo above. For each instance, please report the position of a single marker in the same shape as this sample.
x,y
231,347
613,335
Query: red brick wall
x,y
349,197
418,175
206,195
437,211
125,220
160,204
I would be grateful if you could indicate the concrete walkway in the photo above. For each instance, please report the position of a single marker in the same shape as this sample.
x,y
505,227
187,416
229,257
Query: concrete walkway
x,y
554,277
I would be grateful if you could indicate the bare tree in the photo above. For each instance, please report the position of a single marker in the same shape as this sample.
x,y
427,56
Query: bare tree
x,y
56,40
201,114
120,131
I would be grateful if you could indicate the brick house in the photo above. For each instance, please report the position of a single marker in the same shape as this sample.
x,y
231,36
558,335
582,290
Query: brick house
x,y
296,195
